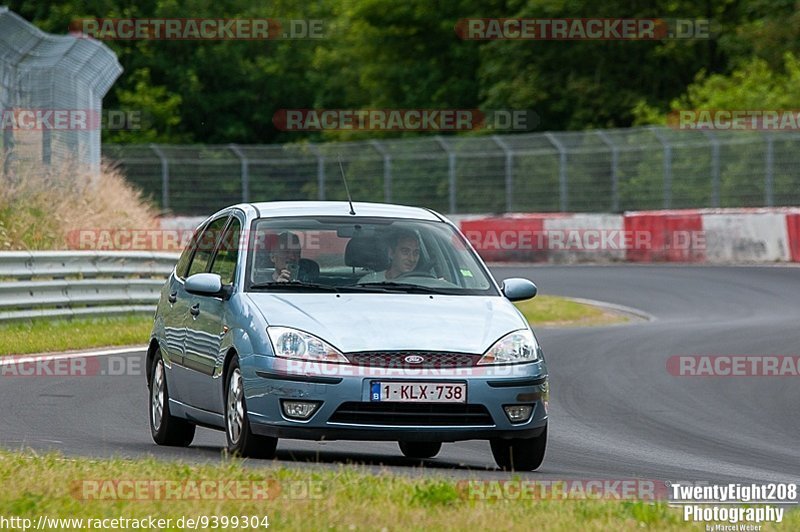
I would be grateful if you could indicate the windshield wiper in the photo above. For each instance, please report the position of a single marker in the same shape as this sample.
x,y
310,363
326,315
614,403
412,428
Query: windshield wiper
x,y
410,288
316,287
294,285
301,286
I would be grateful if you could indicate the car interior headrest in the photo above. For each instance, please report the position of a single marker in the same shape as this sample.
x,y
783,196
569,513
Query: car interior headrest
x,y
366,252
309,269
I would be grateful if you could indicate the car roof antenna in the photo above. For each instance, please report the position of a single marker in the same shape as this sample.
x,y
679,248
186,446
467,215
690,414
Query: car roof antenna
x,y
349,199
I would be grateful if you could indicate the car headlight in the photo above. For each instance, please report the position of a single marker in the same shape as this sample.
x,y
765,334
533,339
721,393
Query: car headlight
x,y
517,347
292,343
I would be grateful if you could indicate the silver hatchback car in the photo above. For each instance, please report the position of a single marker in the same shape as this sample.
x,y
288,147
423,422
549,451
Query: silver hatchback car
x,y
318,320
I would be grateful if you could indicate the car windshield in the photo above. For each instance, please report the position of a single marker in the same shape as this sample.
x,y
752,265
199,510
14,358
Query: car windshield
x,y
381,255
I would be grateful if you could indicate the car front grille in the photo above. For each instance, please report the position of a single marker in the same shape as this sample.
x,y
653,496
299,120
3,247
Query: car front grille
x,y
407,414
397,359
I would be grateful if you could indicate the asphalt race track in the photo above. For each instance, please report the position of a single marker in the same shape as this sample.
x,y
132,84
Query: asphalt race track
x,y
616,412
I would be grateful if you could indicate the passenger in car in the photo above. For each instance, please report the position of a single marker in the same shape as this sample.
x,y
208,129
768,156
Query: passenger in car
x,y
404,251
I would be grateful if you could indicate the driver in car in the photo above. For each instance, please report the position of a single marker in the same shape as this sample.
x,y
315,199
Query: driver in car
x,y
403,257
286,258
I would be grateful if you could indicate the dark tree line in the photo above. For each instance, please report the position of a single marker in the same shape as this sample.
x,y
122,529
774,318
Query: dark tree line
x,y
383,54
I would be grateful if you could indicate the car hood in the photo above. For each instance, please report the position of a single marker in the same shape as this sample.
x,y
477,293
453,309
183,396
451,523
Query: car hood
x,y
388,322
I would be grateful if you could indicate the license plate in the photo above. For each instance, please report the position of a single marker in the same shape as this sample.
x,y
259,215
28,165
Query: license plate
x,y
418,392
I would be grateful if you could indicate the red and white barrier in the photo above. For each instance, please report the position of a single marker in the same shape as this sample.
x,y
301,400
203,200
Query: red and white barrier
x,y
722,236
793,233
687,236
672,236
601,236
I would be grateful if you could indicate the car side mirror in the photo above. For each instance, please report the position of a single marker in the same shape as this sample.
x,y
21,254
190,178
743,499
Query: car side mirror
x,y
207,284
517,289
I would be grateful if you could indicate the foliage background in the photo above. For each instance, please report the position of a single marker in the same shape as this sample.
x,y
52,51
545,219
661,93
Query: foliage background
x,y
380,54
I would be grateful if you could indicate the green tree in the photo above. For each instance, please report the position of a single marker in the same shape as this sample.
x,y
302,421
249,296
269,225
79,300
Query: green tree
x,y
379,54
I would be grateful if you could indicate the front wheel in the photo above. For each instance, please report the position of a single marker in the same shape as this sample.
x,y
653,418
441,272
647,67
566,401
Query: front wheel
x,y
165,428
520,454
420,449
241,440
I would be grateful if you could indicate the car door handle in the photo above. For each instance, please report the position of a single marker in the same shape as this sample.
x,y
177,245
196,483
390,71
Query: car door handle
x,y
173,297
194,310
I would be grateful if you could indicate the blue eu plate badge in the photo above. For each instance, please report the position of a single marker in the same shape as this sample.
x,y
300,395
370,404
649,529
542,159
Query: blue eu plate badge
x,y
375,391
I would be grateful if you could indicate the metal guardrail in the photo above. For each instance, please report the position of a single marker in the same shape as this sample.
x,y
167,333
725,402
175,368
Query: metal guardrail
x,y
65,284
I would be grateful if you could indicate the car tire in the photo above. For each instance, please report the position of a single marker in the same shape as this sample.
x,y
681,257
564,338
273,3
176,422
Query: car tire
x,y
420,449
165,428
520,454
241,440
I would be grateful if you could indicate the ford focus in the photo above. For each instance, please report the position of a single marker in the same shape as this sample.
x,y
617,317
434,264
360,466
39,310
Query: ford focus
x,y
325,320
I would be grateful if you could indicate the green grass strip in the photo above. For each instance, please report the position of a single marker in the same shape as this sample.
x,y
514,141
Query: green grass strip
x,y
43,335
339,498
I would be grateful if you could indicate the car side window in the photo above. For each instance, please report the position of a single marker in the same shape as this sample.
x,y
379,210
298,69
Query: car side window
x,y
186,255
205,246
228,253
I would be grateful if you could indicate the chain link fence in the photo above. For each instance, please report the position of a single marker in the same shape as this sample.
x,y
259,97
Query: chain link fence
x,y
588,171
51,92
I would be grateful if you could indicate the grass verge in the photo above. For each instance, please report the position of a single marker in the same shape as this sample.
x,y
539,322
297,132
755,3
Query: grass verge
x,y
558,311
296,499
42,336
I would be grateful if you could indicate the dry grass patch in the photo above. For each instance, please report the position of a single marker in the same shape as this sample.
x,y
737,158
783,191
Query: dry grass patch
x,y
40,206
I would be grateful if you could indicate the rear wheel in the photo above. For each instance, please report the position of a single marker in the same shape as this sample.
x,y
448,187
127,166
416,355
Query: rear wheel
x,y
420,449
241,440
520,454
165,428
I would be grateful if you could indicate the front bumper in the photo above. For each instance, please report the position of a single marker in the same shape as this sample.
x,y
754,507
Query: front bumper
x,y
346,412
